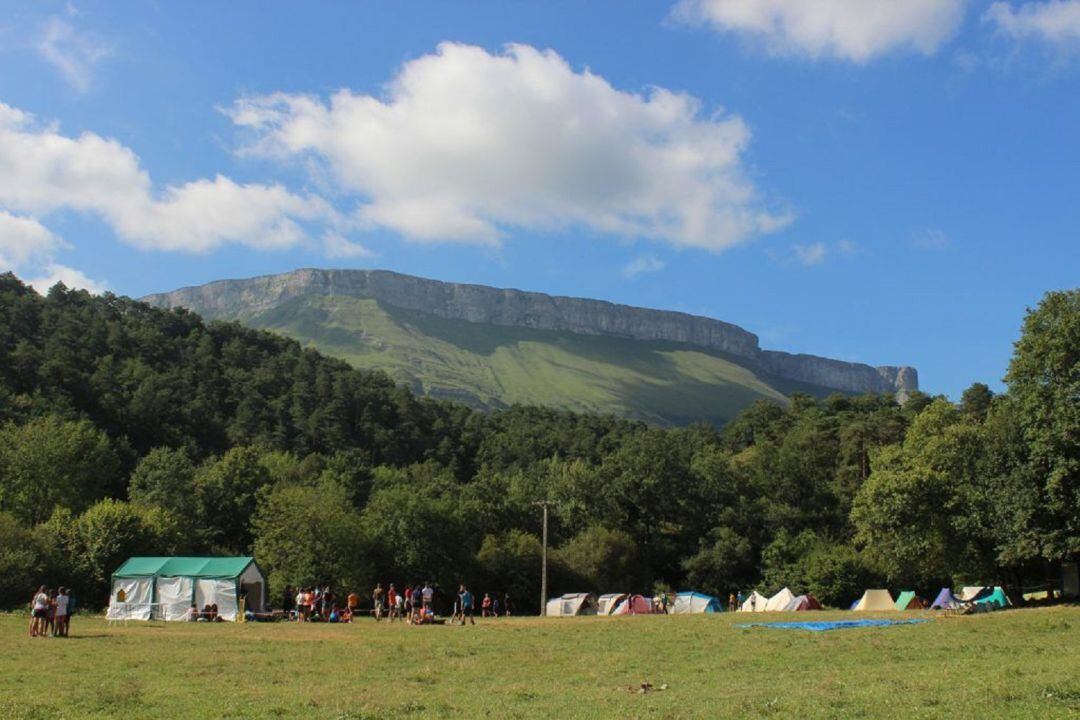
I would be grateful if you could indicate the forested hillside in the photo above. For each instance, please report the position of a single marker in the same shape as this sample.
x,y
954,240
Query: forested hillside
x,y
130,430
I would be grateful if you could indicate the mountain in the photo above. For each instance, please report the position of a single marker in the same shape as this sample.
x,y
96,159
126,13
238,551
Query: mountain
x,y
494,347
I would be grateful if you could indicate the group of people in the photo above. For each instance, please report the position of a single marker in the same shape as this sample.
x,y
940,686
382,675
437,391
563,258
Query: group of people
x,y
415,604
50,612
209,613
317,604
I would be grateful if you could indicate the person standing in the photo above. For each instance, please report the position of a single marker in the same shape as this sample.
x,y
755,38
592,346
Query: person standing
x,y
377,600
485,605
465,602
392,602
60,618
353,601
731,602
508,606
427,594
39,611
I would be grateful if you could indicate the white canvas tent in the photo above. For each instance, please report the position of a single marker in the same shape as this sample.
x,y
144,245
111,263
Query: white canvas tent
x,y
695,602
875,601
755,603
606,604
779,601
572,604
166,587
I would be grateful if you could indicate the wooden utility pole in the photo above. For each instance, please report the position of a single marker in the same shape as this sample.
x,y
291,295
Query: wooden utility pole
x,y
543,568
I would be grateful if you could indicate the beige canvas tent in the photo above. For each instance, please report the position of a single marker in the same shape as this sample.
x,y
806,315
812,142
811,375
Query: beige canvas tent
x,y
875,601
755,603
572,604
779,601
607,603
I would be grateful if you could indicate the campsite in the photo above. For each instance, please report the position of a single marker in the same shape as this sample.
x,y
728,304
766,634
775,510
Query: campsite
x,y
1022,663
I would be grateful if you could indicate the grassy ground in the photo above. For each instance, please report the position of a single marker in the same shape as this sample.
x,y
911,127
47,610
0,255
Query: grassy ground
x,y
1018,663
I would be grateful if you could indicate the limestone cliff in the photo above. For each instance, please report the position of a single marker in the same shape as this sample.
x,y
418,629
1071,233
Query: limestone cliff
x,y
480,304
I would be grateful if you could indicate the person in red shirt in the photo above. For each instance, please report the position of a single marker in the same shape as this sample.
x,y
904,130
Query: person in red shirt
x,y
391,602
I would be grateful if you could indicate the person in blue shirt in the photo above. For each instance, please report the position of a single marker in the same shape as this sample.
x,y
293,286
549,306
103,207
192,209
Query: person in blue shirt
x,y
465,601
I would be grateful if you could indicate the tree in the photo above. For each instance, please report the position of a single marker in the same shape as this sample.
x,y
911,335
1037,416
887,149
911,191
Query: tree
x,y
725,561
510,562
311,534
166,478
1044,381
20,563
111,531
602,559
225,494
49,462
975,401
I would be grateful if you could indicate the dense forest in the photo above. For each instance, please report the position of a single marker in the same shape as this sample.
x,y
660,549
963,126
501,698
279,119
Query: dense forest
x,y
128,430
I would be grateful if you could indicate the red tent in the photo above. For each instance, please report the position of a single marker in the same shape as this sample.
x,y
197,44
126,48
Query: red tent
x,y
634,605
803,602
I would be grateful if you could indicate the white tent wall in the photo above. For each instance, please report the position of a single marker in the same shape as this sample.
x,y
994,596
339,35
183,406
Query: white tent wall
x,y
251,582
876,601
138,596
607,603
222,593
174,594
779,601
755,603
686,603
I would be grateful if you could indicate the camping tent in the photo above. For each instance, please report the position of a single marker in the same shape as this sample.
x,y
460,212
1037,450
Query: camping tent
x,y
908,600
755,603
606,604
166,587
945,600
803,602
875,601
995,599
779,601
634,605
572,604
970,593
695,602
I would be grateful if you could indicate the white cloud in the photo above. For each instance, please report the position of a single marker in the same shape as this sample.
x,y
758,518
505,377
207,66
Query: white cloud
x,y
71,277
931,239
75,54
43,171
848,247
338,247
855,30
811,254
23,240
1056,21
641,265
468,146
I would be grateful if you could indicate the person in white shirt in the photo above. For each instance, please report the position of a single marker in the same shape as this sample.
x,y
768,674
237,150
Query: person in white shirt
x,y
39,612
60,626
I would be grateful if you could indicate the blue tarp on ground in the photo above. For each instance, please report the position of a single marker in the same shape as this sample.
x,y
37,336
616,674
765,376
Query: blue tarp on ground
x,y
824,625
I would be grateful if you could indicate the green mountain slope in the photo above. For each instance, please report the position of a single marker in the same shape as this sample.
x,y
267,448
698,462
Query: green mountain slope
x,y
494,366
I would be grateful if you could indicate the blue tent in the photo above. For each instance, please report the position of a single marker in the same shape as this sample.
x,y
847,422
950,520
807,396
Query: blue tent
x,y
695,602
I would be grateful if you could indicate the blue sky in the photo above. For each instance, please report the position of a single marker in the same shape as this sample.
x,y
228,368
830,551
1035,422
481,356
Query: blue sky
x,y
890,183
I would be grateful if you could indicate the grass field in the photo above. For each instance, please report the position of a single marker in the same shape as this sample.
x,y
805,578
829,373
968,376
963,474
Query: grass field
x,y
1018,663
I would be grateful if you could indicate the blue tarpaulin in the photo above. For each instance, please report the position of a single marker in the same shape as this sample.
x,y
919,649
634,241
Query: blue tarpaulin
x,y
823,625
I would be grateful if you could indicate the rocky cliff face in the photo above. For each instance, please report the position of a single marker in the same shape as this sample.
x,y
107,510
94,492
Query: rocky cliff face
x,y
480,304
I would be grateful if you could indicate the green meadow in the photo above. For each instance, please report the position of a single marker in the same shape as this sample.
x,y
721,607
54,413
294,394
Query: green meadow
x,y
1014,664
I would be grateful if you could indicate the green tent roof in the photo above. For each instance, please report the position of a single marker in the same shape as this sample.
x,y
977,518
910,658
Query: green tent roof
x,y
205,567
905,599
